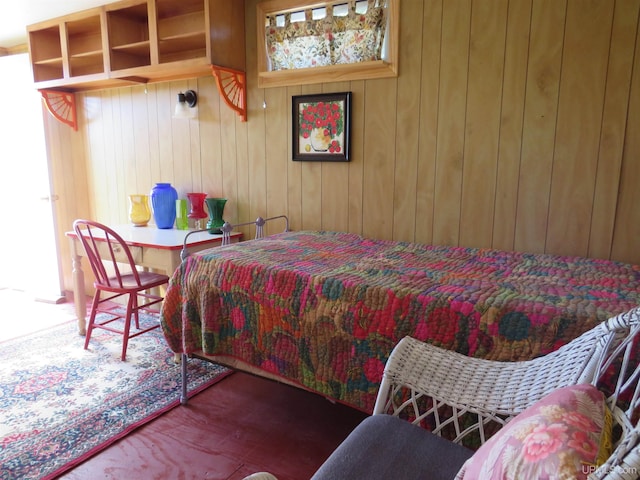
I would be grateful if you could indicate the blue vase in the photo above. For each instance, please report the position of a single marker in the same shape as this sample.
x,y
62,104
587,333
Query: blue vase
x,y
163,201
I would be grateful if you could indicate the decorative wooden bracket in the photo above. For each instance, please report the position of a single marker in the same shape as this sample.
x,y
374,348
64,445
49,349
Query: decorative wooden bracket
x,y
62,105
232,85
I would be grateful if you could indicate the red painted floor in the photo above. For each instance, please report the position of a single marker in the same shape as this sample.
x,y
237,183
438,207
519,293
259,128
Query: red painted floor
x,y
241,425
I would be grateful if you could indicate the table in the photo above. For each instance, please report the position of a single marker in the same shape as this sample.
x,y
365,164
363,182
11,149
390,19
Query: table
x,y
151,247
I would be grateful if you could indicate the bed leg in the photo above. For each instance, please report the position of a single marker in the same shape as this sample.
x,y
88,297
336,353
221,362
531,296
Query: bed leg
x,y
183,369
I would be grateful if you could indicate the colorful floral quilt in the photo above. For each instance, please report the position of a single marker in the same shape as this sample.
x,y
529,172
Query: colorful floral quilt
x,y
324,309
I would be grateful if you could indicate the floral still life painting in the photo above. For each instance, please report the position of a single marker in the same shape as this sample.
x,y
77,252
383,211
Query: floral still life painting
x,y
321,127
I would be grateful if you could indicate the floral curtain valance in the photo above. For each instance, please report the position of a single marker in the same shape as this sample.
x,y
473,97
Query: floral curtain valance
x,y
332,39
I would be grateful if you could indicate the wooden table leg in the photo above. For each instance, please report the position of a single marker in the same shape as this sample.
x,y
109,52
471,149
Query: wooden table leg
x,y
79,294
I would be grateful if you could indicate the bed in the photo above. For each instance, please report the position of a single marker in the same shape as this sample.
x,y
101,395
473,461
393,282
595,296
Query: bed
x,y
323,310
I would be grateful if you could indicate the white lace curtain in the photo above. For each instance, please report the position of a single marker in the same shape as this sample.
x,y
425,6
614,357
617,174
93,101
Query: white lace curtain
x,y
349,32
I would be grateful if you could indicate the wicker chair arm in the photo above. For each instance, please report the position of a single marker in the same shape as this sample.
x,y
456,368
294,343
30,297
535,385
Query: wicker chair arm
x,y
429,384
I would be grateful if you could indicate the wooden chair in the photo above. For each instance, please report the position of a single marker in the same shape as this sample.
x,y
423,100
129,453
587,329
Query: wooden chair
x,y
116,275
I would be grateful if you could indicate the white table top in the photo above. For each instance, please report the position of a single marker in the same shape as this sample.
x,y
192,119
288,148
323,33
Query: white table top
x,y
169,238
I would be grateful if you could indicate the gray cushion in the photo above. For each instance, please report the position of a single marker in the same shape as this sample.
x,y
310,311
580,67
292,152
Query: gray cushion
x,y
386,447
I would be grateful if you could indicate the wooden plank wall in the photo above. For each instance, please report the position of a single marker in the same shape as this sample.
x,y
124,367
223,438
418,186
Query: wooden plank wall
x,y
513,124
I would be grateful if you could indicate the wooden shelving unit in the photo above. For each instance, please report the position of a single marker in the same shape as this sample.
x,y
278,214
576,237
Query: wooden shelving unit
x,y
137,41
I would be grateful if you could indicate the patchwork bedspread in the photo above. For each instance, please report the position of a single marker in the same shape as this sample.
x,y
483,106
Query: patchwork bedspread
x,y
324,309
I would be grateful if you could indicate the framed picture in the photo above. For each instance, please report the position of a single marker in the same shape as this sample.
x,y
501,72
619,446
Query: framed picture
x,y
321,127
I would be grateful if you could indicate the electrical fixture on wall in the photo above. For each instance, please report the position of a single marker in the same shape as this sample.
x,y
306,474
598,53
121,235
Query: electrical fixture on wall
x,y
185,108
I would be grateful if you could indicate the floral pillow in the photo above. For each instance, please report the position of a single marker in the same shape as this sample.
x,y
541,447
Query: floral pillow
x,y
562,436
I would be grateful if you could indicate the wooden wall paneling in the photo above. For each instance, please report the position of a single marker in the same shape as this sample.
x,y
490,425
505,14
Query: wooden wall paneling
x,y
456,18
89,113
407,124
210,161
117,208
257,165
294,169
193,176
100,131
430,123
538,137
242,168
127,146
150,99
96,155
380,106
627,226
228,154
356,164
275,202
142,139
611,148
511,119
311,182
166,100
429,107
180,154
580,106
482,125
257,114
335,196
335,180
99,181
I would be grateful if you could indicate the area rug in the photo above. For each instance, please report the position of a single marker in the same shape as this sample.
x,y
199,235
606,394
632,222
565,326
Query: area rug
x,y
60,404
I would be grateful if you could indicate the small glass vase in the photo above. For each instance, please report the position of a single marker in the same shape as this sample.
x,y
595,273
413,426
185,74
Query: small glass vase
x,y
182,220
216,210
139,212
163,200
196,201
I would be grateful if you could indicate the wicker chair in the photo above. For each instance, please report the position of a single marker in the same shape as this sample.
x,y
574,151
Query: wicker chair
x,y
459,397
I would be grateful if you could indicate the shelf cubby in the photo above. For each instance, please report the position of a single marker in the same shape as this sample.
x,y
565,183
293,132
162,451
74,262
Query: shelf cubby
x,y
85,52
181,32
128,33
46,55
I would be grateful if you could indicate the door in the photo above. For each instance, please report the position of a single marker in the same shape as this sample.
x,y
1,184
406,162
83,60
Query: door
x,y
28,253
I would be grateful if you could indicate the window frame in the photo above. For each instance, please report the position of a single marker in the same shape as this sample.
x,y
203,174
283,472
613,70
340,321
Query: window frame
x,y
329,73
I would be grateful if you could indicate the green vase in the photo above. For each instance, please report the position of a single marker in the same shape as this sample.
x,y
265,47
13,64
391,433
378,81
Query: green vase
x,y
215,206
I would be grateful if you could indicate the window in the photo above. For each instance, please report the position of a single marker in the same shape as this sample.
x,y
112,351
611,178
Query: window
x,y
327,41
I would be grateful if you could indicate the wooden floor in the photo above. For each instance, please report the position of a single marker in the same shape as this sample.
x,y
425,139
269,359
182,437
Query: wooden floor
x,y
241,425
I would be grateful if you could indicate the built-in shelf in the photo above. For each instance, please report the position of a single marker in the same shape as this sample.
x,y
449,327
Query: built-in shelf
x,y
138,41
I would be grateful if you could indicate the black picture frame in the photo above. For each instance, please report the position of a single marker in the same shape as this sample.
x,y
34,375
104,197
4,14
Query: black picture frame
x,y
321,127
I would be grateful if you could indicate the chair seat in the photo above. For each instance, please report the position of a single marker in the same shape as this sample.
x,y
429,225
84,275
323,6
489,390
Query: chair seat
x,y
385,446
147,280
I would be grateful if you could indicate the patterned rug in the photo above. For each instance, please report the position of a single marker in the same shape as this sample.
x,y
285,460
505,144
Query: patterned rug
x,y
60,404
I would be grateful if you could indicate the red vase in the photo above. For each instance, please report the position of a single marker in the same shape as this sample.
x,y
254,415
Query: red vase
x,y
196,202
